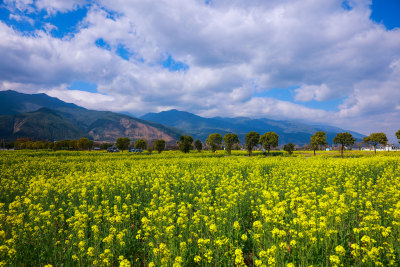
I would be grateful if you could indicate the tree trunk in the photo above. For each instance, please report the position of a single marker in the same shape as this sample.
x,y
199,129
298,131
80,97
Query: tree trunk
x,y
314,152
268,151
342,150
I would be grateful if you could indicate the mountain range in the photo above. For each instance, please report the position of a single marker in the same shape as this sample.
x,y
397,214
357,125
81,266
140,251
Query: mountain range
x,y
40,116
200,127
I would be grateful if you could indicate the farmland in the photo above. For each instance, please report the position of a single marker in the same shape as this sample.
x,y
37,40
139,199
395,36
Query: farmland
x,y
199,209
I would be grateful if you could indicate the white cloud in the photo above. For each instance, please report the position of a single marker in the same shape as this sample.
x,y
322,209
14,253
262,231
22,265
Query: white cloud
x,y
20,18
21,5
233,49
312,92
54,6
51,6
90,100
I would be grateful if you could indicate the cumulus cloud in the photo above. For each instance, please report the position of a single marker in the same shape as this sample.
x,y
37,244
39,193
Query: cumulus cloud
x,y
233,50
312,92
50,6
82,98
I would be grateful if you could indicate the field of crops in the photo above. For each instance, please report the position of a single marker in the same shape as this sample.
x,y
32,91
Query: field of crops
x,y
201,209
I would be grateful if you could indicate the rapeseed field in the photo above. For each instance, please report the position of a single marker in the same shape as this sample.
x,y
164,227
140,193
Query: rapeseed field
x,y
198,209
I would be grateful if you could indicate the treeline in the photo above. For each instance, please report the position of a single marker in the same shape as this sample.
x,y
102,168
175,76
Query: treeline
x,y
80,144
215,141
270,140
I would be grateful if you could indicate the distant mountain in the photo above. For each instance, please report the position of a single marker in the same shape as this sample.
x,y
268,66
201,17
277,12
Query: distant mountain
x,y
199,127
40,116
41,124
13,102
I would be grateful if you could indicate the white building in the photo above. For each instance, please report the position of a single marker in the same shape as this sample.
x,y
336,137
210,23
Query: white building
x,y
388,147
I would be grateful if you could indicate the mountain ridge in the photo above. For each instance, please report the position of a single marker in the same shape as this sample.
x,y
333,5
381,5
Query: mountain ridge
x,y
200,127
61,120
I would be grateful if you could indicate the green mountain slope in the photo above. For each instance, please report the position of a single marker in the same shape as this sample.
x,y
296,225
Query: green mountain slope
x,y
41,124
62,120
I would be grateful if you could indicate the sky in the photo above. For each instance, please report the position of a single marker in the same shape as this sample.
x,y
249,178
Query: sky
x,y
329,62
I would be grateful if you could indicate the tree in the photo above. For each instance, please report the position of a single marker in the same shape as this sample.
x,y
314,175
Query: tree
x,y
106,145
141,144
252,139
63,144
159,145
269,140
230,139
185,143
289,148
318,139
214,141
10,145
91,143
375,139
122,143
344,139
73,144
198,145
82,143
398,135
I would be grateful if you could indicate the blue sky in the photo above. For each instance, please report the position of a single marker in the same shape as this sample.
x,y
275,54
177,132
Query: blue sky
x,y
333,61
386,12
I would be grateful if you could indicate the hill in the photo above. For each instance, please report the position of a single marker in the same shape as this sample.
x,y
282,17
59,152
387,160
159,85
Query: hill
x,y
13,102
41,124
40,116
200,127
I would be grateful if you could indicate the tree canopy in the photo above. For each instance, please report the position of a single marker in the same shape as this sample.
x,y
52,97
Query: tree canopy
x,y
398,135
214,141
198,145
230,139
344,139
375,139
318,139
252,139
269,140
141,144
185,143
289,148
159,145
122,143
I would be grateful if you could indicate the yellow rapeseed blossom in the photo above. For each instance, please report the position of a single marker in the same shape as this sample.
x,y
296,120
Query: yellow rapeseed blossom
x,y
172,209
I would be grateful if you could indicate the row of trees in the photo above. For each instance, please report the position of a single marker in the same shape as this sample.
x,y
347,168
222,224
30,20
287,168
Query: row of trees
x,y
346,139
82,144
268,141
214,141
123,143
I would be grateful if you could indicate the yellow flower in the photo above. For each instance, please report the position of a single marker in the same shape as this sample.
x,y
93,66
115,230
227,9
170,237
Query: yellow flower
x,y
258,262
213,228
236,225
334,260
244,237
340,250
90,251
366,239
197,258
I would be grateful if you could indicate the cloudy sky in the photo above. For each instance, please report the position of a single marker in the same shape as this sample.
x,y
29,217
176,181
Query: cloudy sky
x,y
334,62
